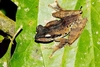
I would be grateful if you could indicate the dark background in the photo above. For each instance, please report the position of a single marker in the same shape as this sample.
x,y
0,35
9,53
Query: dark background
x,y
10,10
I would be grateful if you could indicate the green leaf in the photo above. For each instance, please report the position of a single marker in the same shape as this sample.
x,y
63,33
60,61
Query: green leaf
x,y
84,52
1,38
27,52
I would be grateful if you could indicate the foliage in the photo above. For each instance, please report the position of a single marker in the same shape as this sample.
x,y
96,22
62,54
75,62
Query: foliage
x,y
84,52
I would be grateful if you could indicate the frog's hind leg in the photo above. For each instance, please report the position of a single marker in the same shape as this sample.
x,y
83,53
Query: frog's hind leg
x,y
76,31
56,6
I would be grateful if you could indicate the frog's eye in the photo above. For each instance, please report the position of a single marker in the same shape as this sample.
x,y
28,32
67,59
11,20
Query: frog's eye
x,y
47,35
39,28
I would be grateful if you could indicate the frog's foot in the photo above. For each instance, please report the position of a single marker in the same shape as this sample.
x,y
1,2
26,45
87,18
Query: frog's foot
x,y
55,6
45,47
54,50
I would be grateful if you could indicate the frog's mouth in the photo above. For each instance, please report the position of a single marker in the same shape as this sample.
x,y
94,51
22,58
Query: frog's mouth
x,y
43,40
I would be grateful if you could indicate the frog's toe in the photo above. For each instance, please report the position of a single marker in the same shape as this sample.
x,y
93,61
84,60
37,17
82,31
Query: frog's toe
x,y
54,50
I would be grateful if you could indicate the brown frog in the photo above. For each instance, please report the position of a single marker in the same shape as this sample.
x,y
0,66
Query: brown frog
x,y
70,24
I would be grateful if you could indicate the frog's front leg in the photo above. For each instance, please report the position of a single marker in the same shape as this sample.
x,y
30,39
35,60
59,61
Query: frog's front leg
x,y
62,43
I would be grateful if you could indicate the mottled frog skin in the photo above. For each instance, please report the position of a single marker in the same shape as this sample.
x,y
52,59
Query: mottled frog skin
x,y
70,24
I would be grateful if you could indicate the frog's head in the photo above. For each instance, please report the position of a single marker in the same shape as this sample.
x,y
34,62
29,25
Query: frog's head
x,y
42,35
